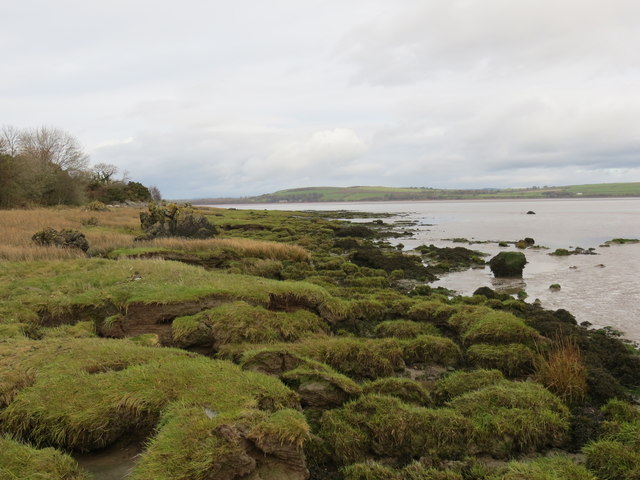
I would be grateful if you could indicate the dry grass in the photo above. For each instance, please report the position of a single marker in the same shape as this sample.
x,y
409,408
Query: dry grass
x,y
111,229
244,246
562,370
114,229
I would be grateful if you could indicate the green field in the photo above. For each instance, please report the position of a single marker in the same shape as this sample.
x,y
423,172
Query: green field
x,y
368,194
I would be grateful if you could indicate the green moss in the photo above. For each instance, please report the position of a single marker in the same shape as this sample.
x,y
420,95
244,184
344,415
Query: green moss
x,y
514,360
407,390
383,426
404,329
460,382
514,417
20,461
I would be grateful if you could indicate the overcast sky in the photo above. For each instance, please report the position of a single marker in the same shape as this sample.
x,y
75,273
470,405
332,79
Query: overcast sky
x,y
234,98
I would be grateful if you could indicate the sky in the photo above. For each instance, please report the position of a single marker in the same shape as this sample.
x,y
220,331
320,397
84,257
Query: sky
x,y
238,98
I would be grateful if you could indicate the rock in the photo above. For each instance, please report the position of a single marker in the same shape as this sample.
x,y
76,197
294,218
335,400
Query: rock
x,y
531,212
508,264
65,238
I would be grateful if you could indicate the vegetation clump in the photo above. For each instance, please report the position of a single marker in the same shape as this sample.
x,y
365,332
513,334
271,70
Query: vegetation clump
x,y
18,460
514,417
381,426
172,220
65,238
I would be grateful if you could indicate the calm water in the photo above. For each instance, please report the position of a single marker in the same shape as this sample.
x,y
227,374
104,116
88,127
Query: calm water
x,y
602,289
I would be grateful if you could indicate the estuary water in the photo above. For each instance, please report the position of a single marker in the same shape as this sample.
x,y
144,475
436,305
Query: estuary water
x,y
602,289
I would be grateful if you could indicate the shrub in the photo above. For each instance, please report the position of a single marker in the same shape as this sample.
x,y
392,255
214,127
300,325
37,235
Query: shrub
x,y
562,370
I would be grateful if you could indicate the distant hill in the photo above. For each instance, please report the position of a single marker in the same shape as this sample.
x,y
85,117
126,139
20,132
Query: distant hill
x,y
370,194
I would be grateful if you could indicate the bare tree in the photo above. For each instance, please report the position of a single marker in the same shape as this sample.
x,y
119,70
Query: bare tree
x,y
155,193
52,145
9,140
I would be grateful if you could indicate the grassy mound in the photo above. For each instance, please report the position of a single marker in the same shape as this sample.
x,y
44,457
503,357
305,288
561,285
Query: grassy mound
x,y
83,394
404,329
460,382
382,426
18,461
551,468
407,390
356,357
58,291
239,322
514,359
514,417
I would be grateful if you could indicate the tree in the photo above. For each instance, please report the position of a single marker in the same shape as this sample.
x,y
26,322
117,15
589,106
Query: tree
x,y
9,141
54,146
103,172
155,194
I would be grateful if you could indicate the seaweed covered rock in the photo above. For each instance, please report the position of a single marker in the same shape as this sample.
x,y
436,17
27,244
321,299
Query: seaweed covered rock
x,y
174,221
508,264
65,238
451,259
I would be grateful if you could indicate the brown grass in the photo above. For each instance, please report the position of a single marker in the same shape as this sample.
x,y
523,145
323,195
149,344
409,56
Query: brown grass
x,y
247,247
111,230
562,370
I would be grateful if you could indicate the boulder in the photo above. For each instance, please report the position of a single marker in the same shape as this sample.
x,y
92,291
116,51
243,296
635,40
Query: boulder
x,y
508,264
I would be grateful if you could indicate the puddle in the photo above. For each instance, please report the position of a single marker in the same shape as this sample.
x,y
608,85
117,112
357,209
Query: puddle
x,y
111,463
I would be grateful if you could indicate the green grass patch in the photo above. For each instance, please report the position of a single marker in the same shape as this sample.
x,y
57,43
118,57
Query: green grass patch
x,y
380,426
514,359
19,461
514,417
460,382
239,322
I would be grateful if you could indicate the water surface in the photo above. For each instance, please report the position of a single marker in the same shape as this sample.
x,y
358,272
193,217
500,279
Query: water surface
x,y
602,289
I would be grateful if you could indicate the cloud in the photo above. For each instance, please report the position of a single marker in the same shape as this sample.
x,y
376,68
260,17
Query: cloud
x,y
212,99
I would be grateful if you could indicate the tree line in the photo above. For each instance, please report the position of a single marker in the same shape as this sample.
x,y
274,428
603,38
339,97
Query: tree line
x,y
47,166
